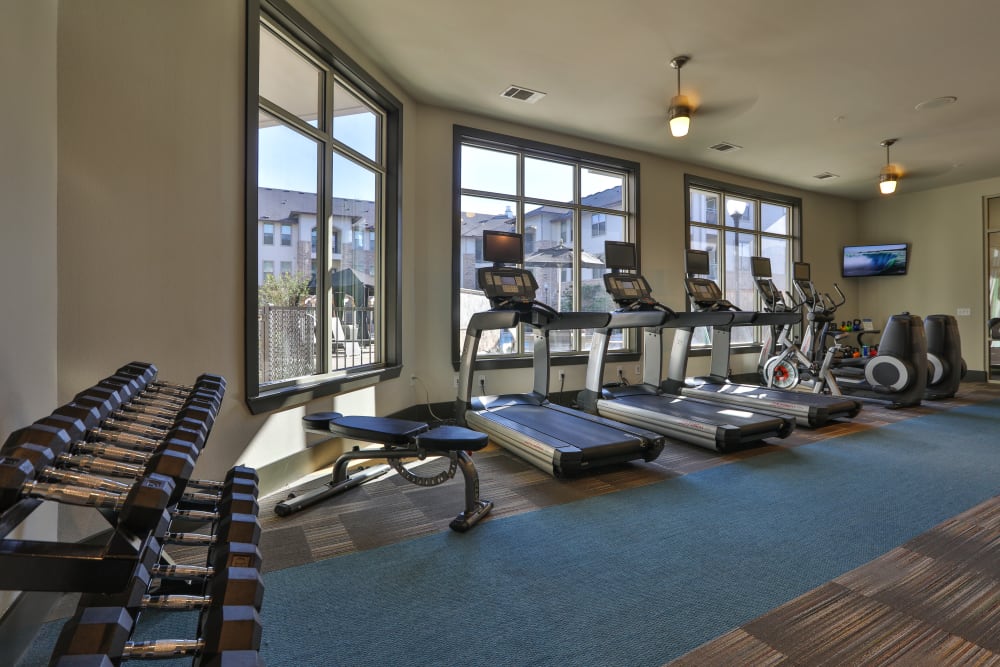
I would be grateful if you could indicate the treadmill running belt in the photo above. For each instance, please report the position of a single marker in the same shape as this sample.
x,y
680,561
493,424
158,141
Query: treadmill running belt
x,y
593,439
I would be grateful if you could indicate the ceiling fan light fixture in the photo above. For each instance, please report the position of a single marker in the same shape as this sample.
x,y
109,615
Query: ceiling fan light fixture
x,y
889,175
679,115
887,179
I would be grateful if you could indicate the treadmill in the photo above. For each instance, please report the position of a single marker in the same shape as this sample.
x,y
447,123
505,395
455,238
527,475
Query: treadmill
x,y
811,410
561,441
690,420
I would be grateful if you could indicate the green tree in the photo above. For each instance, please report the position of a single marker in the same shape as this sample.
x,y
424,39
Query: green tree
x,y
284,290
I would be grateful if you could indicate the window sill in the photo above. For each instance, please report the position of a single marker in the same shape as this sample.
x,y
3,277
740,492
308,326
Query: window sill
x,y
287,397
749,348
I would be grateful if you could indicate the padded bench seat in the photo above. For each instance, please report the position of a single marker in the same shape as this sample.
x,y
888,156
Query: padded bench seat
x,y
391,431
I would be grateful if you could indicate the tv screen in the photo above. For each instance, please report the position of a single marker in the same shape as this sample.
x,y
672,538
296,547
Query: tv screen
x,y
503,247
619,255
697,263
889,259
760,267
801,271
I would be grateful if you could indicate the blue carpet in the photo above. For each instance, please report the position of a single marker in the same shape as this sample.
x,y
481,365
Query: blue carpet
x,y
638,577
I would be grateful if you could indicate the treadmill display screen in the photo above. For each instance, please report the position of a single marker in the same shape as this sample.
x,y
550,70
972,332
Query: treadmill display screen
x,y
503,247
619,255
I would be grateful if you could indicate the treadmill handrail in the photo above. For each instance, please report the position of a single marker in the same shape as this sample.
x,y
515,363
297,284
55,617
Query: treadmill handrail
x,y
488,320
629,319
577,320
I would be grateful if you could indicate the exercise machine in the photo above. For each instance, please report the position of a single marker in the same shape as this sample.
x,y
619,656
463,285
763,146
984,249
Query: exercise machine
x,y
945,365
644,404
897,374
400,439
782,364
811,410
556,439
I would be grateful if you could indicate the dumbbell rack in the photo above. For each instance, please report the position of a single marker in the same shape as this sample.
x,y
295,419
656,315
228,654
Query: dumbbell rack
x,y
127,448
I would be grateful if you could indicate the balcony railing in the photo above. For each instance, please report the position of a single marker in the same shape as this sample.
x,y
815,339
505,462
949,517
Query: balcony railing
x,y
287,341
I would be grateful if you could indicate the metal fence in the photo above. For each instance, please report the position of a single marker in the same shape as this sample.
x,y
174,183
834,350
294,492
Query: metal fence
x,y
287,341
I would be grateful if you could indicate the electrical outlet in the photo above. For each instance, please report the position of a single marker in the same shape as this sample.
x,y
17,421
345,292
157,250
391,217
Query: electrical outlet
x,y
638,369
964,312
413,380
481,381
620,371
562,375
456,380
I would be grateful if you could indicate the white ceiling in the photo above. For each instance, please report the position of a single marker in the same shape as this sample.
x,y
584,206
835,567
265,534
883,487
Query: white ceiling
x,y
803,86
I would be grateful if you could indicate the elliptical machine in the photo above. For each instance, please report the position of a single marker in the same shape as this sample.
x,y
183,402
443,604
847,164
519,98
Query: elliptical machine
x,y
791,366
897,374
945,365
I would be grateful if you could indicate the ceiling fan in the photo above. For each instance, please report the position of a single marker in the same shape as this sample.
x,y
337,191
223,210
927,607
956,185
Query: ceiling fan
x,y
684,106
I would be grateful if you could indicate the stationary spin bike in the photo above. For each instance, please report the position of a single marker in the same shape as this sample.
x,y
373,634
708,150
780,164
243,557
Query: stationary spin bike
x,y
790,367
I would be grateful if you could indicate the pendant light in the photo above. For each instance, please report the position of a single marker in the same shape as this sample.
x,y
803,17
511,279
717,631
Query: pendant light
x,y
889,175
680,107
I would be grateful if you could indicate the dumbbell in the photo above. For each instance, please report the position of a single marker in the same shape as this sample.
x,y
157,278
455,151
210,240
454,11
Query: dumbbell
x,y
86,463
179,447
141,509
124,407
229,635
221,556
210,395
89,422
149,373
144,508
238,496
126,390
241,586
232,527
128,394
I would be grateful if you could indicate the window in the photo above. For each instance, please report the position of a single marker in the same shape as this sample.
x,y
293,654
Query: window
x,y
566,204
734,224
598,224
324,156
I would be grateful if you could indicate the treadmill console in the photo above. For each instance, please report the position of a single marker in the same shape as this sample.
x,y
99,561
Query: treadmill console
x,y
705,294
507,286
628,288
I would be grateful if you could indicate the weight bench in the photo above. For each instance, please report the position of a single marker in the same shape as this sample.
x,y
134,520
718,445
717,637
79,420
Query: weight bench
x,y
400,439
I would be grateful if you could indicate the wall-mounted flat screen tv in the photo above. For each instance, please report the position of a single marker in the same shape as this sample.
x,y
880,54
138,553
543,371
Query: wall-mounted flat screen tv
x,y
887,259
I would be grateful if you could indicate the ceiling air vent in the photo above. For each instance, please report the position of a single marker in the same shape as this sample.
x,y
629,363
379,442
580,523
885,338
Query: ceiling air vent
x,y
825,175
522,94
724,147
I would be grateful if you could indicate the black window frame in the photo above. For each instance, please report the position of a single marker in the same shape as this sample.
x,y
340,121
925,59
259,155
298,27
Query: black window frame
x,y
484,138
761,196
265,399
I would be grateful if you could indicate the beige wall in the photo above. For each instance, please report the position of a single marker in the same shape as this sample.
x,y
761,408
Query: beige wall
x,y
945,228
28,297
